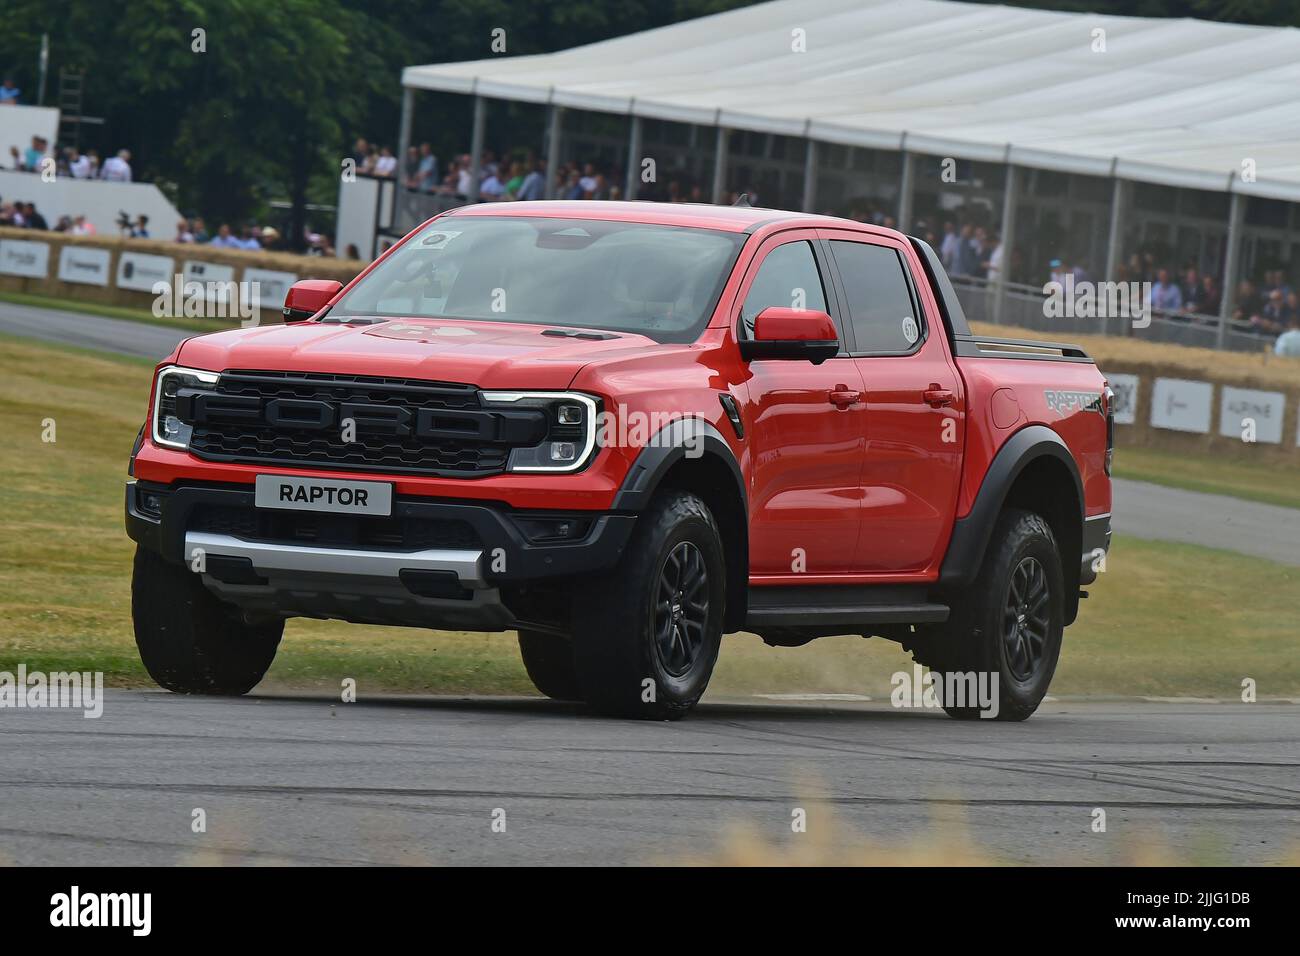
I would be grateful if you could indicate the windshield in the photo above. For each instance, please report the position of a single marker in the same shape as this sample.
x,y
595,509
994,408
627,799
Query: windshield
x,y
658,281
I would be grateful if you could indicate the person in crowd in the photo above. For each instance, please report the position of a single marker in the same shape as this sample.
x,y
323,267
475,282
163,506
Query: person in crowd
x,y
426,170
411,168
464,176
992,266
1057,271
370,166
81,226
1190,287
965,261
224,239
140,229
30,159
93,157
183,231
492,188
78,164
249,239
360,151
1288,343
534,184
601,188
386,164
64,224
1165,295
9,93
572,186
1205,299
200,230
33,219
1248,303
352,251
117,169
515,181
1272,318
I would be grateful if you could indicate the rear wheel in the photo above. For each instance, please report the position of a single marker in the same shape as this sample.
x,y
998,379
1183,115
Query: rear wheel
x,y
647,637
1006,627
548,659
189,641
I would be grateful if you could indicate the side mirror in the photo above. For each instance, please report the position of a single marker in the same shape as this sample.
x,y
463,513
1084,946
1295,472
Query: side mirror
x,y
308,297
792,334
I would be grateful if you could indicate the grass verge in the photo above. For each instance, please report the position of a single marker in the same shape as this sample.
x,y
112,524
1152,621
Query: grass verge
x,y
1269,482
1166,619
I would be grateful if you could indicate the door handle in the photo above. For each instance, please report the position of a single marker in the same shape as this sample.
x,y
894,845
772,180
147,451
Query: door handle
x,y
936,396
843,396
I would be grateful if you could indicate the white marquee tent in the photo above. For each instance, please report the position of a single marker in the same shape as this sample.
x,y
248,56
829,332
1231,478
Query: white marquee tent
x,y
1178,102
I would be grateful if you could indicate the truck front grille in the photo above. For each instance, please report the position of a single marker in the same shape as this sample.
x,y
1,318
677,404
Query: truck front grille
x,y
246,430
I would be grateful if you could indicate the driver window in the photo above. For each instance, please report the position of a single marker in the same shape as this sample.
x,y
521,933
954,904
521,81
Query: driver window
x,y
788,278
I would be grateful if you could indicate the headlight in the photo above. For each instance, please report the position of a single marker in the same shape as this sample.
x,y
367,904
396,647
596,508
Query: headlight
x,y
570,435
168,428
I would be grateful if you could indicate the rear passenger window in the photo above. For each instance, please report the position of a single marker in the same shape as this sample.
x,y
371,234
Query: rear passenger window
x,y
880,301
788,278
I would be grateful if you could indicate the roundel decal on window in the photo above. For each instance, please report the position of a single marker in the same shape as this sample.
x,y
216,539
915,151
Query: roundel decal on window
x,y
910,331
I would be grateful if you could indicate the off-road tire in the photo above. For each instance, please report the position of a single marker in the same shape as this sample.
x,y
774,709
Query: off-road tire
x,y
628,664
548,659
189,641
978,636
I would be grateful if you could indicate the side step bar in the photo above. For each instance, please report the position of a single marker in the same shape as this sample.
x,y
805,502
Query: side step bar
x,y
802,606
849,614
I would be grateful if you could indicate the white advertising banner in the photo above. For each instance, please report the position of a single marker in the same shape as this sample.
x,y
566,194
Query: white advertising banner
x,y
21,257
1181,405
212,276
272,287
140,271
1125,388
1244,412
85,265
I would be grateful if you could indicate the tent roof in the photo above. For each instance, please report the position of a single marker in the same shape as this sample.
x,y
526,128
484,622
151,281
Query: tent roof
x,y
1180,102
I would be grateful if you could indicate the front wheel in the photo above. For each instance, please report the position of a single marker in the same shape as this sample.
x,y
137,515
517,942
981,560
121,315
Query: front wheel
x,y
646,636
190,642
1002,642
548,659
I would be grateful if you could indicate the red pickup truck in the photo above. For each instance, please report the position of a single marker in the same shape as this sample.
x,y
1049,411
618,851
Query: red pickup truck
x,y
623,430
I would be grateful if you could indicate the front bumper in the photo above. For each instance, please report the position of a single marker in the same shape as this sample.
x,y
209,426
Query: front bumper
x,y
1096,544
457,572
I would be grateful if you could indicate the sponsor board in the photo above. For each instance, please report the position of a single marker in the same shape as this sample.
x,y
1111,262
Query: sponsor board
x,y
21,257
1125,388
272,286
1181,405
139,271
84,265
1242,409
212,276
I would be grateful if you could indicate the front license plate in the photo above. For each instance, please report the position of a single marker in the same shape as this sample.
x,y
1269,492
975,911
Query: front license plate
x,y
324,494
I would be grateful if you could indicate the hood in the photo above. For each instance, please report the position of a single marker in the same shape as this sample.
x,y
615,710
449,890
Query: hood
x,y
486,354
